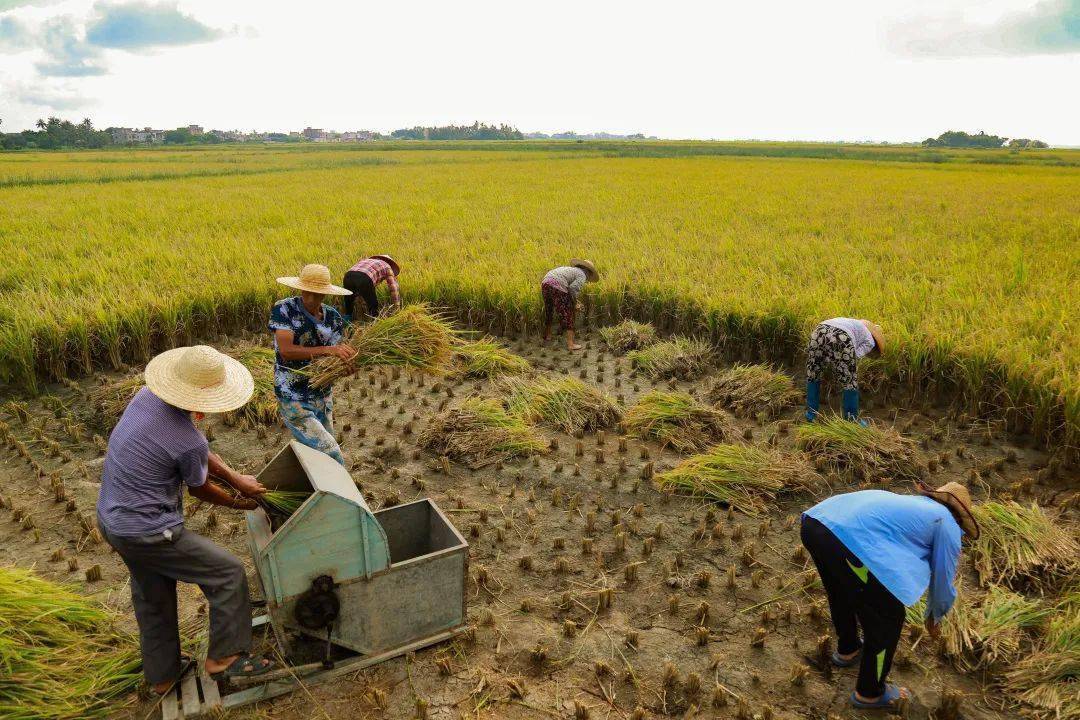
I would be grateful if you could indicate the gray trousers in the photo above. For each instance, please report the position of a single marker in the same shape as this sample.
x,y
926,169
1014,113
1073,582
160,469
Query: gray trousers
x,y
157,563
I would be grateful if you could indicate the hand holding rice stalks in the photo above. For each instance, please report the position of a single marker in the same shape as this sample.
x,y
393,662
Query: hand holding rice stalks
x,y
751,389
1021,546
678,420
872,452
413,337
680,358
628,335
486,358
747,477
564,403
482,430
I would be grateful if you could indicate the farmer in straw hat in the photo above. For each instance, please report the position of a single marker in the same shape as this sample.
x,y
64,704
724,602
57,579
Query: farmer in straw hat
x,y
304,329
839,344
560,289
155,449
362,278
877,552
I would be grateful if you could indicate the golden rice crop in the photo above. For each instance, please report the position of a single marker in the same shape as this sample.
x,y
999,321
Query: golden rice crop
x,y
680,357
872,451
564,403
628,335
752,389
480,430
1021,546
678,420
486,358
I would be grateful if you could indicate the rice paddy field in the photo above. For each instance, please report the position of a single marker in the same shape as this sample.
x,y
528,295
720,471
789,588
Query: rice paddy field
x,y
632,509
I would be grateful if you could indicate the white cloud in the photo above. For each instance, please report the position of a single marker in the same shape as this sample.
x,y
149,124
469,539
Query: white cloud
x,y
1048,27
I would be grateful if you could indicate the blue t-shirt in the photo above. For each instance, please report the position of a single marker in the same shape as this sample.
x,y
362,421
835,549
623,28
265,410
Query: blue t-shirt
x,y
290,314
909,542
153,450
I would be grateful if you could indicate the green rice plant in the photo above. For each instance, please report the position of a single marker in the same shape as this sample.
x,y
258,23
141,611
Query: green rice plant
x,y
747,477
872,452
752,389
486,358
1020,546
414,337
284,502
681,358
1048,678
480,430
628,335
678,420
60,656
563,403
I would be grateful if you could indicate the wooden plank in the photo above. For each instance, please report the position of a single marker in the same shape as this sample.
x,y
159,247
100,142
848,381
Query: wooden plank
x,y
189,694
170,709
287,685
211,696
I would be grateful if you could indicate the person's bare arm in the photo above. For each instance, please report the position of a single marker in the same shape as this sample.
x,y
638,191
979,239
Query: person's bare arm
x,y
247,484
213,493
291,351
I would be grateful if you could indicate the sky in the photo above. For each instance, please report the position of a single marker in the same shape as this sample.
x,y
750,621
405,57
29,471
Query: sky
x,y
886,70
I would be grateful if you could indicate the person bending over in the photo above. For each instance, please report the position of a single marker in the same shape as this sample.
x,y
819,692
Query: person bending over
x,y
362,278
560,289
839,344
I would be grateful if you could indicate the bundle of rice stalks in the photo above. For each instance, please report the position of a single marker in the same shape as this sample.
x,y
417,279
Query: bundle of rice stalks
x,y
109,401
747,477
1048,678
413,337
872,452
628,335
680,358
1021,546
284,502
262,408
481,430
752,389
677,419
486,358
564,403
60,657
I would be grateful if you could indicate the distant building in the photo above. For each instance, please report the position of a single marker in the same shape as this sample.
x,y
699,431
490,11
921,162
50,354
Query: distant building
x,y
121,135
195,129
314,134
146,136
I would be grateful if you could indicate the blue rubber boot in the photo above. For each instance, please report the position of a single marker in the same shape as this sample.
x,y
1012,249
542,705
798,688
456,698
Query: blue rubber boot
x,y
851,407
813,399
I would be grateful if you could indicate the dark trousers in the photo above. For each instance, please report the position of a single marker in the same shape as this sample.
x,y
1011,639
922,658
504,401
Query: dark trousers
x,y
361,286
157,564
856,598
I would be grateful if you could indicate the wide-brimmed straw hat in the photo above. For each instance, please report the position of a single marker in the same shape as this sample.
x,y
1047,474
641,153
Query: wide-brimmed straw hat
x,y
875,331
199,379
956,497
389,261
588,267
316,279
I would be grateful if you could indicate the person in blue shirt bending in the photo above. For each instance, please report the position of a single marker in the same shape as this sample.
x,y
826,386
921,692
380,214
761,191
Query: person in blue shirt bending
x,y
877,552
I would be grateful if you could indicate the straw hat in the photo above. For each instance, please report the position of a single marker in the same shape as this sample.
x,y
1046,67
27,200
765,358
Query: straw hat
x,y
588,267
954,496
389,261
875,331
316,279
199,379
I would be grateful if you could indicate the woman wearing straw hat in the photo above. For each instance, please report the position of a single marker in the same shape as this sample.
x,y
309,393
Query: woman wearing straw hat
x,y
839,344
304,329
362,278
877,552
560,289
154,450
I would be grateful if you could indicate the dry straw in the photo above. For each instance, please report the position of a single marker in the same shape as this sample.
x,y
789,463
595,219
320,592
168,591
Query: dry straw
x,y
564,403
678,420
872,452
680,358
1021,546
486,358
628,335
480,429
1047,678
751,389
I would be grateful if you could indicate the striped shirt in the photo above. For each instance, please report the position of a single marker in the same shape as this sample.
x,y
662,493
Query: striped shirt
x,y
860,335
379,271
568,279
153,450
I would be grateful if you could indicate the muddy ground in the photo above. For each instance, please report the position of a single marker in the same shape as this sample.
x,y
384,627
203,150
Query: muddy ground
x,y
540,648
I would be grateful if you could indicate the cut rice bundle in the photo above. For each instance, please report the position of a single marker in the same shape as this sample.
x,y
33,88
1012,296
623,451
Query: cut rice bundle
x,y
284,502
414,337
628,335
744,476
678,420
486,358
109,401
1048,678
480,430
1020,546
563,403
60,657
751,389
679,358
872,452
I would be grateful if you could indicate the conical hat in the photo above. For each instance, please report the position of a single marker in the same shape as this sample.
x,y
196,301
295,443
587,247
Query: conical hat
x,y
199,379
316,279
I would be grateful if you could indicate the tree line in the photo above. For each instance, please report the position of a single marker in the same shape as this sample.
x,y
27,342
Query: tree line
x,y
961,139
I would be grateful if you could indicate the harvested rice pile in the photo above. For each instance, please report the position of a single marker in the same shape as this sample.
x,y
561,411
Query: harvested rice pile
x,y
414,337
628,335
563,403
480,430
486,358
680,358
110,400
751,389
1020,546
1048,678
750,478
60,657
678,420
872,452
